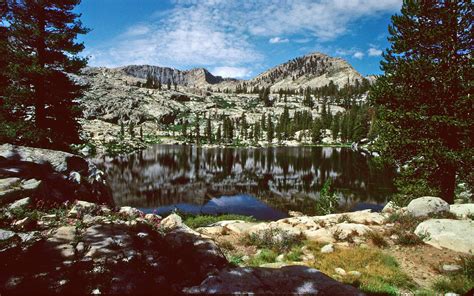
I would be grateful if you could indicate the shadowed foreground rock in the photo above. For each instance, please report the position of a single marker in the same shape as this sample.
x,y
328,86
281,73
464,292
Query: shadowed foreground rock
x,y
49,176
92,249
286,280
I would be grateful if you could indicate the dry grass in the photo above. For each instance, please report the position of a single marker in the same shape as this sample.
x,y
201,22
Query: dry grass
x,y
380,272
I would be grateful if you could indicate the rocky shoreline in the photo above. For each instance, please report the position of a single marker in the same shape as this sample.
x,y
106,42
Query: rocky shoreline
x,y
88,246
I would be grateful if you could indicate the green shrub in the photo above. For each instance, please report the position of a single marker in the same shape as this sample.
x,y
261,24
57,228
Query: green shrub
x,y
265,256
206,220
274,239
295,254
327,202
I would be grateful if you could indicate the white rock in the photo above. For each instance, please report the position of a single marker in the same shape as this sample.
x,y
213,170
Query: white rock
x,y
30,184
329,248
389,208
75,177
280,258
340,271
345,230
129,211
426,205
171,222
456,235
354,273
451,267
462,210
6,234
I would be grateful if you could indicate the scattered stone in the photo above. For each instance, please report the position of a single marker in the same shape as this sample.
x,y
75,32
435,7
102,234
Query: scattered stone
x,y
21,203
426,205
142,234
329,248
80,247
308,257
462,210
75,177
131,212
340,271
280,258
31,184
6,234
451,268
81,208
8,183
346,231
322,235
354,273
295,214
24,223
152,217
171,222
456,235
389,208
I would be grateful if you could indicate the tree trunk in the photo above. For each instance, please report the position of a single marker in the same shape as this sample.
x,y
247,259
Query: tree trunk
x,y
447,182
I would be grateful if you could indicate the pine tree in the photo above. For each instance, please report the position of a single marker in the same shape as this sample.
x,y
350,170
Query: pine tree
x,y
197,131
219,135
270,130
316,132
43,39
425,97
209,131
168,84
335,127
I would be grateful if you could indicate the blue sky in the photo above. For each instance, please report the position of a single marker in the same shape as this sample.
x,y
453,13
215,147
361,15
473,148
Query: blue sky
x,y
235,38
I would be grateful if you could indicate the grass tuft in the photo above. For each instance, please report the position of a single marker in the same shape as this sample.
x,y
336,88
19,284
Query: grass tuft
x,y
206,220
274,239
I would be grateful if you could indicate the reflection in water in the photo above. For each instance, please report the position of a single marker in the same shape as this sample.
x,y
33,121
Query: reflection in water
x,y
218,180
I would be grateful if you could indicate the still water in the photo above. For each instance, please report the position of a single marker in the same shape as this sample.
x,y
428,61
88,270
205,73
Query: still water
x,y
262,182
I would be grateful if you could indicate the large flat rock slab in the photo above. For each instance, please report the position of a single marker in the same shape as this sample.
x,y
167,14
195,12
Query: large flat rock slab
x,y
288,280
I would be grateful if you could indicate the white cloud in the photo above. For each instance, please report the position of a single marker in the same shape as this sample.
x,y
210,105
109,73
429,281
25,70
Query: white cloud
x,y
233,72
358,55
374,52
220,33
278,40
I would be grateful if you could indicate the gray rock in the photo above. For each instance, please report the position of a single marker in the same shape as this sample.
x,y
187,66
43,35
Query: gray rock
x,y
31,184
456,235
426,205
329,248
286,280
6,234
81,208
21,203
8,183
354,273
389,208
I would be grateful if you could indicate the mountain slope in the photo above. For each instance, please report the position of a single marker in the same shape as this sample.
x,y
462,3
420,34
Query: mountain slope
x,y
313,70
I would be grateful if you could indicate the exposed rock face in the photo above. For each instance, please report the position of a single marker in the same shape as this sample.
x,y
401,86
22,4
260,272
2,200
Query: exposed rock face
x,y
456,235
323,229
287,280
313,70
192,78
426,205
49,176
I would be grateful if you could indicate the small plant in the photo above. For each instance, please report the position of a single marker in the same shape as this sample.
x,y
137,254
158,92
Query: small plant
x,y
264,256
236,259
206,220
344,218
274,239
377,239
327,202
294,255
409,238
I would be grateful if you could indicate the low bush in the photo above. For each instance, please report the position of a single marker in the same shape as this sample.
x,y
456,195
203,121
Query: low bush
x,y
328,201
206,220
265,256
377,239
275,239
